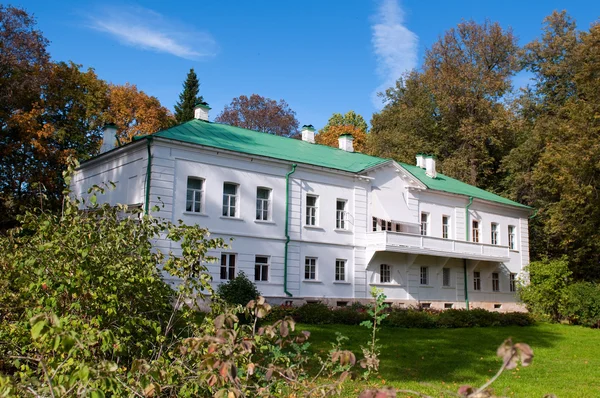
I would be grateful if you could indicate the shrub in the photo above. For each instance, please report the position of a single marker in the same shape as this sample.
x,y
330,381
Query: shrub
x,y
410,318
547,281
580,304
280,312
315,314
349,316
238,291
516,319
484,318
455,318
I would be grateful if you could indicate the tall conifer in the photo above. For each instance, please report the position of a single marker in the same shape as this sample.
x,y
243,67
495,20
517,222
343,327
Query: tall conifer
x,y
184,109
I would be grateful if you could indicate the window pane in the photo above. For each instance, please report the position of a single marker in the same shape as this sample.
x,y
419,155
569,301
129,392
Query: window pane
x,y
229,189
262,193
311,200
341,205
194,183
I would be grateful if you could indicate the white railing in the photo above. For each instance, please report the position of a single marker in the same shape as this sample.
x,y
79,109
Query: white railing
x,y
384,240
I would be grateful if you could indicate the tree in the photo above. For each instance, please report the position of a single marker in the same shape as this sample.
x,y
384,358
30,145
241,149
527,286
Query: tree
x,y
454,106
260,114
338,124
23,64
184,109
135,112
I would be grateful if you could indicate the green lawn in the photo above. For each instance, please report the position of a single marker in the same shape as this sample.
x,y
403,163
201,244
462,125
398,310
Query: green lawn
x,y
566,358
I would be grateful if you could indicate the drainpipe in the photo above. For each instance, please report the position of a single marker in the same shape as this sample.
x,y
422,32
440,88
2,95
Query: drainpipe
x,y
287,222
148,175
465,260
535,212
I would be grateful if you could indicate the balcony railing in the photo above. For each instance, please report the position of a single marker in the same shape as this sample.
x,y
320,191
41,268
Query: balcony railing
x,y
420,244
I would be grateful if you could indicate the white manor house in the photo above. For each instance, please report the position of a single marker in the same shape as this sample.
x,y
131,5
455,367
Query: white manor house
x,y
315,223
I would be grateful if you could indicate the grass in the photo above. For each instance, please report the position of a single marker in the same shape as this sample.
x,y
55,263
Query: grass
x,y
437,361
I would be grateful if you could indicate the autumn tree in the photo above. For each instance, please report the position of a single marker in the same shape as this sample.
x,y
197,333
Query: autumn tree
x,y
338,124
260,114
135,112
454,104
184,109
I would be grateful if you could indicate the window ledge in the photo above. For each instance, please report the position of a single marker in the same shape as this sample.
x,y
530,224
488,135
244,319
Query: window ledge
x,y
315,227
448,287
343,231
386,284
193,213
231,218
311,281
265,222
427,286
267,283
513,250
341,283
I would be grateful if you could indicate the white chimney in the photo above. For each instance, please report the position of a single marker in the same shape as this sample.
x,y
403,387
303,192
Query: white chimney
x,y
346,142
109,137
308,133
430,166
420,160
201,112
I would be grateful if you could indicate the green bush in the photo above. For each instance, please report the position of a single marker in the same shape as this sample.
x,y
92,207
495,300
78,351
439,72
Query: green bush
x,y
349,316
315,314
280,312
455,318
484,318
411,318
547,282
516,319
580,304
238,291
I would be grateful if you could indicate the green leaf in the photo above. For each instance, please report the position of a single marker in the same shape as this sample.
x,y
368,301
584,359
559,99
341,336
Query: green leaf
x,y
37,329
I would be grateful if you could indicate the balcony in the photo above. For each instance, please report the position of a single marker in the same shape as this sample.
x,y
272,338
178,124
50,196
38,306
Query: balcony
x,y
429,245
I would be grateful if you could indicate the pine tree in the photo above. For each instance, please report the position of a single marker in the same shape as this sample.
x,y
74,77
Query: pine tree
x,y
184,109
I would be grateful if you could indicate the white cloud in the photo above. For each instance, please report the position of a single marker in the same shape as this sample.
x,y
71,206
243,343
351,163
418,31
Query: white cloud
x,y
394,45
147,29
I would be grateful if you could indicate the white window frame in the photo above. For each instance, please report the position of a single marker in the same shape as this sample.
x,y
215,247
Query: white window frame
x,y
424,276
385,273
263,206
227,267
310,268
262,268
446,277
475,232
312,212
512,237
495,234
341,216
340,270
375,225
495,282
477,280
197,195
513,282
425,224
228,199
446,227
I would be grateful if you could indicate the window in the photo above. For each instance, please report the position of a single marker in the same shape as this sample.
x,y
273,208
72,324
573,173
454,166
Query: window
x,y
227,266
263,204
513,282
512,237
445,227
261,268
494,234
310,268
375,224
448,305
311,209
398,228
340,214
195,195
446,277
425,305
424,275
388,226
495,282
476,280
340,270
424,223
385,273
475,230
230,199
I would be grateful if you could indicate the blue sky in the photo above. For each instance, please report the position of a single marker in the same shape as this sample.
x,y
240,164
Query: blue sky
x,y
320,56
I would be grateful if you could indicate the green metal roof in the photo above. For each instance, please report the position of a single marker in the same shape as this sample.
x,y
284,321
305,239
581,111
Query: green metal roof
x,y
237,139
450,185
250,142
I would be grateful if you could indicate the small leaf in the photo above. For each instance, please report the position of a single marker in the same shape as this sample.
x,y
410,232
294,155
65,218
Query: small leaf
x,y
36,330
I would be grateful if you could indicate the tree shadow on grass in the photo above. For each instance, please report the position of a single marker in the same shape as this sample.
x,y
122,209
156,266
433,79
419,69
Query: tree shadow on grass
x,y
437,355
